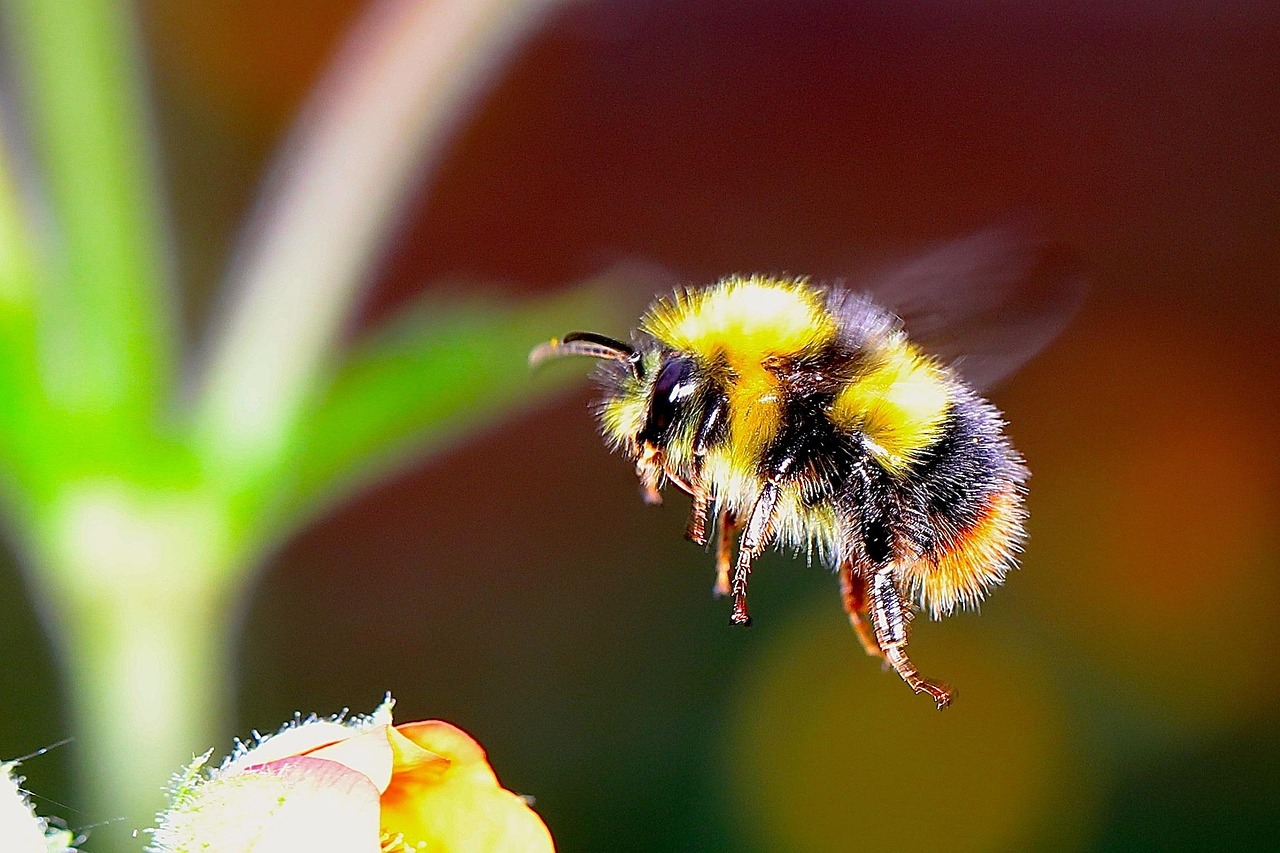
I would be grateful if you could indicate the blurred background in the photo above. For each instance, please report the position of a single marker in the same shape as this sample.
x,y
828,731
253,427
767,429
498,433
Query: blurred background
x,y
1121,692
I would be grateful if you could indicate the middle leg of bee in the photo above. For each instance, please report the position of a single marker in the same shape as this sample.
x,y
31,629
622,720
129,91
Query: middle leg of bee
x,y
890,619
757,533
853,592
726,529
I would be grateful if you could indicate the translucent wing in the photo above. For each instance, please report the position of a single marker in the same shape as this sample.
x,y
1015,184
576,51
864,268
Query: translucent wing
x,y
984,304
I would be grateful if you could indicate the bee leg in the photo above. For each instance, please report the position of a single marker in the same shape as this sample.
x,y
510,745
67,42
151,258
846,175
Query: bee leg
x,y
649,471
709,427
699,512
890,619
756,536
853,591
726,527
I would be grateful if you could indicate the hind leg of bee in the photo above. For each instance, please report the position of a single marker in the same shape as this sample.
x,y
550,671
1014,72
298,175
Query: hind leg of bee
x,y
756,535
726,528
891,619
853,592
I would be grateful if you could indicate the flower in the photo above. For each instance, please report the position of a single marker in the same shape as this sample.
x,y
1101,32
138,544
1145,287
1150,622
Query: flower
x,y
21,831
361,785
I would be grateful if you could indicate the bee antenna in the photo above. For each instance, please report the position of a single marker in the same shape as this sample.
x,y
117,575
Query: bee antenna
x,y
583,343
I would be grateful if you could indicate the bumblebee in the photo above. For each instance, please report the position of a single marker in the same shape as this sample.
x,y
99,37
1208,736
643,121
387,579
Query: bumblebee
x,y
845,423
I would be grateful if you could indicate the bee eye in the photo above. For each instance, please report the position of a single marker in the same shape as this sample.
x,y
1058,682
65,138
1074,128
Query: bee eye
x,y
672,390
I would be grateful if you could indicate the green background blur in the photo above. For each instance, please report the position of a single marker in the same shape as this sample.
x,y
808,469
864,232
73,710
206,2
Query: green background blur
x,y
1122,692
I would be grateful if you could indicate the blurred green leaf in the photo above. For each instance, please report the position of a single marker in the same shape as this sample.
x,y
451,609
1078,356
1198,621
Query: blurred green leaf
x,y
109,347
436,371
21,432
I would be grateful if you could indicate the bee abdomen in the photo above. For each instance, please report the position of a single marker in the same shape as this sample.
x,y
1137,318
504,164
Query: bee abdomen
x,y
968,492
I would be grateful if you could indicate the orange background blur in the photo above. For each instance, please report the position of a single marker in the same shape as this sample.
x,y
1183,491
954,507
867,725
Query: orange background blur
x,y
1122,692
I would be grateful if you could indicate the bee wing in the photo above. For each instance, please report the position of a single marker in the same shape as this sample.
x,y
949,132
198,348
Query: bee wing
x,y
985,304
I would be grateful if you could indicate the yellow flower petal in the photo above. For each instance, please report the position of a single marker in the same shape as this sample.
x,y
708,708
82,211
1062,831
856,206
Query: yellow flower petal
x,y
369,753
444,798
410,758
316,786
448,742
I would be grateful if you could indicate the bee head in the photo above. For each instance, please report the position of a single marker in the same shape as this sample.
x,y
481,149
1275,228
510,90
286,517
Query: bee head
x,y
650,395
671,395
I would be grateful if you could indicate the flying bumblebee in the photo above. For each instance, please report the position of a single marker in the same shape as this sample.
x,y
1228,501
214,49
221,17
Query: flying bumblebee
x,y
847,423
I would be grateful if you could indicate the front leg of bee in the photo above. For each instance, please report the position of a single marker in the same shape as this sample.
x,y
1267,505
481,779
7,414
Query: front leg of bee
x,y
649,471
726,529
853,592
756,536
890,619
711,425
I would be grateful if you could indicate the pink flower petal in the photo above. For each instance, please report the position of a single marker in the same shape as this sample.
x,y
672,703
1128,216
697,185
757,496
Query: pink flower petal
x,y
289,805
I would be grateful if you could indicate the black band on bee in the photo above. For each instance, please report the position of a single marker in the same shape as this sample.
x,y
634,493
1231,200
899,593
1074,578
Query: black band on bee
x,y
714,426
810,447
954,480
871,491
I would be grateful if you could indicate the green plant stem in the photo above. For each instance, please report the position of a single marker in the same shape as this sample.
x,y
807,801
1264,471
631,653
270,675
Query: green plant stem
x,y
133,587
111,341
151,685
352,161
439,369
20,387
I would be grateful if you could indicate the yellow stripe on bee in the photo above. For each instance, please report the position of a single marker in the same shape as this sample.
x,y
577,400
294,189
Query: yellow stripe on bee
x,y
900,404
735,480
743,321
741,324
755,413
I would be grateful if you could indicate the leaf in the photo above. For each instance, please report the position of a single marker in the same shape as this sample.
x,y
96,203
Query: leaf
x,y
435,373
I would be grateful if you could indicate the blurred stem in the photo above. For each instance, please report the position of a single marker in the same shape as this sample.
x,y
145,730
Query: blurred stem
x,y
82,85
19,372
16,285
151,685
378,123
132,582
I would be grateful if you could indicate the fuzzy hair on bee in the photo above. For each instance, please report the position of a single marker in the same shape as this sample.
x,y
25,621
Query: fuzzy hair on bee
x,y
815,417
